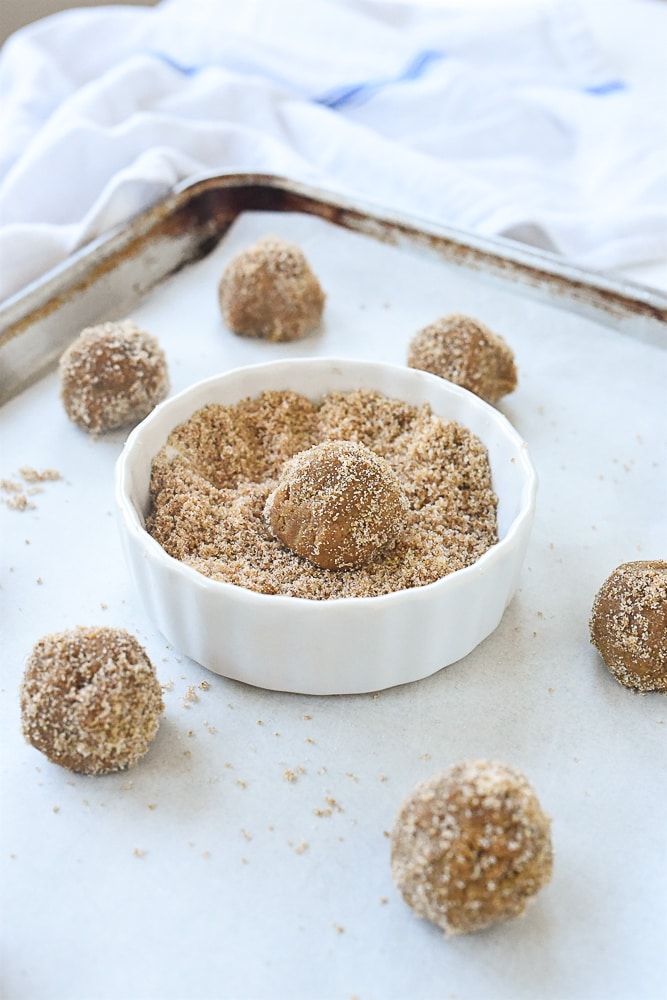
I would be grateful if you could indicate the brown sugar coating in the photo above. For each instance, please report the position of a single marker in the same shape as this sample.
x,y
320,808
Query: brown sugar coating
x,y
90,699
111,376
269,290
628,624
463,350
337,504
471,847
211,481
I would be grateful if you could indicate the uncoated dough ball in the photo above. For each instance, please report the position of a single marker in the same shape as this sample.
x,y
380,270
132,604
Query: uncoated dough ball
x,y
471,846
337,504
268,290
464,351
112,375
90,699
628,624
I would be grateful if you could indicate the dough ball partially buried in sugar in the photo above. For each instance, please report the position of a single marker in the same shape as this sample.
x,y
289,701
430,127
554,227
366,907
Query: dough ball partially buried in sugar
x,y
337,504
268,290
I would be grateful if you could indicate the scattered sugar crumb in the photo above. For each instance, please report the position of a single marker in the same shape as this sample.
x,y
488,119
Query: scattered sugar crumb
x,y
18,495
33,476
19,502
190,696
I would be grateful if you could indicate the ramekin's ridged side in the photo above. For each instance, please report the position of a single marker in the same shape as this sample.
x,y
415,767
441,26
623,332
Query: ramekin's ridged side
x,y
333,647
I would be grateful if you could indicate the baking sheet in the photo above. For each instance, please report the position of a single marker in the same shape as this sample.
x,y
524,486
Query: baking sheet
x,y
247,855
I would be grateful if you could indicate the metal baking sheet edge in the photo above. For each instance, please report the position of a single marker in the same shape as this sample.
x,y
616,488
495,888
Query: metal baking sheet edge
x,y
109,276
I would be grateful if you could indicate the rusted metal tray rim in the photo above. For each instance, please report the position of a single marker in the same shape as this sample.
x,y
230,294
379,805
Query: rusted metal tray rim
x,y
105,279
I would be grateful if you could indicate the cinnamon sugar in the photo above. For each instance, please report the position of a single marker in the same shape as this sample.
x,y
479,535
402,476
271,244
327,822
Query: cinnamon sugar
x,y
211,481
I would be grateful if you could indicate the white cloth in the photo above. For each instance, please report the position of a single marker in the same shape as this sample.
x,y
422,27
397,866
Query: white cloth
x,y
500,123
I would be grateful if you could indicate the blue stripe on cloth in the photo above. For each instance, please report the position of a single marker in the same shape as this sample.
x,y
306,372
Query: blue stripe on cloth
x,y
179,67
609,87
358,93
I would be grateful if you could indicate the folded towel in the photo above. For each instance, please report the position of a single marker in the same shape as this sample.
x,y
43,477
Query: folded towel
x,y
501,123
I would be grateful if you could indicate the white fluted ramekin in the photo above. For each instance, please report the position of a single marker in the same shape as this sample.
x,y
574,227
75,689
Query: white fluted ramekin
x,y
336,646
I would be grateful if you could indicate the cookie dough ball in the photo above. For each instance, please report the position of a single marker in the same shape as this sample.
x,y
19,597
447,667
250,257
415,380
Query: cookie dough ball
x,y
90,699
268,290
337,505
471,846
628,624
463,350
112,375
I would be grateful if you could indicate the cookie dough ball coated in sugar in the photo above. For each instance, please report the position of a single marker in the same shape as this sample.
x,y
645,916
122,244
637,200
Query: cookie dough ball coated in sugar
x,y
268,290
628,624
471,846
111,376
464,351
90,699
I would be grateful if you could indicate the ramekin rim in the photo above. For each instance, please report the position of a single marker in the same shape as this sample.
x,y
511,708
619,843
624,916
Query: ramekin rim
x,y
132,522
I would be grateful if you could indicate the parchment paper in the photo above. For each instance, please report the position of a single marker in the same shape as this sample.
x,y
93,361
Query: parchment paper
x,y
247,855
